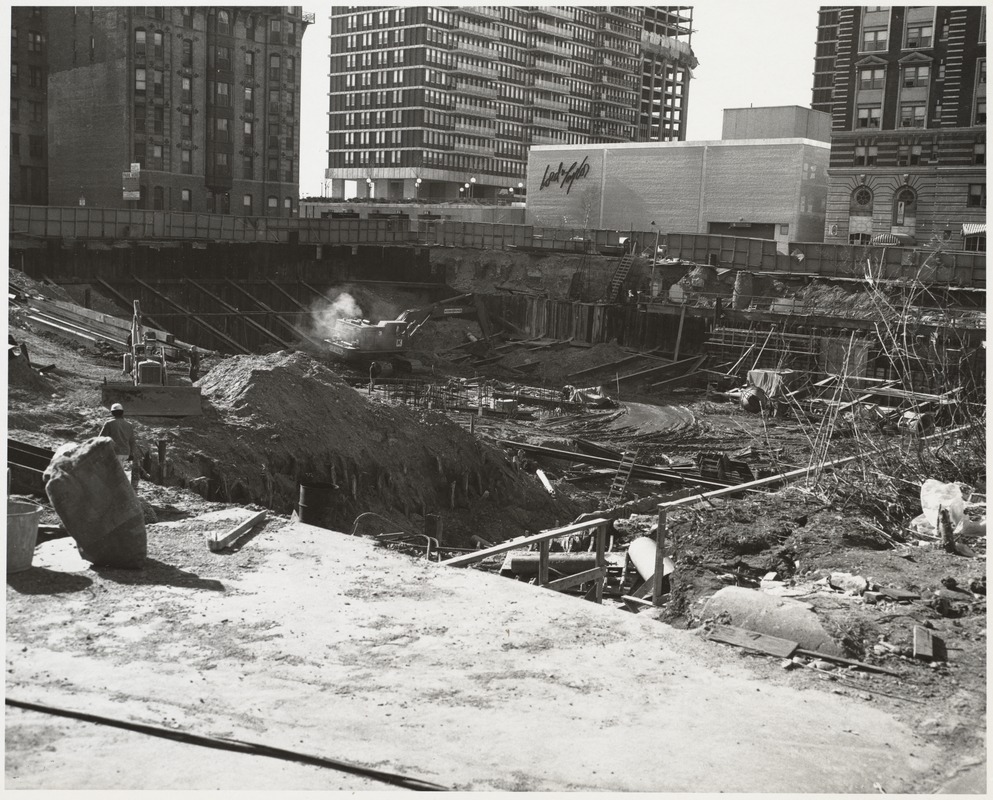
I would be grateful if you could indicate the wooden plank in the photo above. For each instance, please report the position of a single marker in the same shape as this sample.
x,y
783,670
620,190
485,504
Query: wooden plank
x,y
215,543
545,482
523,541
848,661
659,576
899,594
570,581
763,643
927,646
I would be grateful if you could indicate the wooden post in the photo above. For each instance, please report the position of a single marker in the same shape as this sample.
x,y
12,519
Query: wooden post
x,y
658,577
601,561
679,333
543,550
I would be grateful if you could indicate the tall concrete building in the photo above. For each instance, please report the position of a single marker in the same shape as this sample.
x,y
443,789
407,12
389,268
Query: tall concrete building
x,y
28,106
431,102
908,139
204,100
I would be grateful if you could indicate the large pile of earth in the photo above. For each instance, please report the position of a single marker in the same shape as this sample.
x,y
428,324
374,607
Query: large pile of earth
x,y
278,420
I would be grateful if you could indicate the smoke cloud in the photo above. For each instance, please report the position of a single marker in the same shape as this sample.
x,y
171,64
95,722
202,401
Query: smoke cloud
x,y
324,316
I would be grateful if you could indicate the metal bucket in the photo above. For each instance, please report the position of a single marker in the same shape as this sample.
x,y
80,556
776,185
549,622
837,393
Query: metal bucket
x,y
315,501
22,534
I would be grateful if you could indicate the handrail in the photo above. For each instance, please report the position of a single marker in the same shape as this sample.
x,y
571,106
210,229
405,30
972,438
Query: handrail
x,y
543,539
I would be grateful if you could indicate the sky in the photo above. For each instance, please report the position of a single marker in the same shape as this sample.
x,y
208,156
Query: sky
x,y
759,53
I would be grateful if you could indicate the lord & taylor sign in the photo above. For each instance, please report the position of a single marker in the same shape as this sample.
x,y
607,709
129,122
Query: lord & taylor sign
x,y
563,177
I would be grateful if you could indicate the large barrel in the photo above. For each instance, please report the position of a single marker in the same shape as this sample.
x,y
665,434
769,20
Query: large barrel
x,y
315,502
98,508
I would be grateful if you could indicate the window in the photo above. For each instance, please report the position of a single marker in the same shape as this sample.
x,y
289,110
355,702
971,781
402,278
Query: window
x,y
904,206
139,119
917,75
275,31
860,238
871,78
185,125
186,161
186,200
249,99
919,36
248,168
13,38
222,96
223,22
979,153
222,57
187,13
272,201
157,44
34,42
287,204
157,82
139,153
187,57
13,73
186,90
221,129
246,203
157,152
15,144
977,195
249,63
14,109
274,101
36,146
249,134
912,115
981,112
976,244
869,117
291,69
158,198
36,77
865,156
274,66
272,169
908,155
874,40
139,81
158,120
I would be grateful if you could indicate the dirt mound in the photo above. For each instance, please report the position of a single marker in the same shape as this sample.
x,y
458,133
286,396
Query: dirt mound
x,y
282,419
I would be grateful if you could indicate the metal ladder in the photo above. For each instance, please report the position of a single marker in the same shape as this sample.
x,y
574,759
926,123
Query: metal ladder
x,y
623,268
621,477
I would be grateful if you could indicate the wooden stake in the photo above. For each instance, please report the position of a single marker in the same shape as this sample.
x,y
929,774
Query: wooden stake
x,y
659,575
679,333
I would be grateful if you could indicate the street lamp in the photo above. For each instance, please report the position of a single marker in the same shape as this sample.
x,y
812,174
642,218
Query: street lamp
x,y
471,184
465,191
417,188
369,186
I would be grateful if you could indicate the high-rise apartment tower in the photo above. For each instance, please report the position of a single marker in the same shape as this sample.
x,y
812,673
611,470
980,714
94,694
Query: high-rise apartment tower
x,y
442,103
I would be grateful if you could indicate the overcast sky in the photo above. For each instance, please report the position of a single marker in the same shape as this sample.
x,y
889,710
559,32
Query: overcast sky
x,y
755,53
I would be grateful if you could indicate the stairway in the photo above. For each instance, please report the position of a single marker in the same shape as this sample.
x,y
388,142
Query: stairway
x,y
620,484
620,274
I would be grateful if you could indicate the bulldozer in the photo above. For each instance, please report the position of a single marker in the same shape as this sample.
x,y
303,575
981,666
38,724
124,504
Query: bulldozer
x,y
150,390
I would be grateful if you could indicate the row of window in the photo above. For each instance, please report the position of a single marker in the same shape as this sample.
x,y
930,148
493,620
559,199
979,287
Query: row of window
x,y
35,109
36,145
35,41
905,201
216,203
907,155
911,115
36,76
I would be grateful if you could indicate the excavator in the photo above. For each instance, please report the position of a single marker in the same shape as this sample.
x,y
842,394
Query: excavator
x,y
362,342
150,392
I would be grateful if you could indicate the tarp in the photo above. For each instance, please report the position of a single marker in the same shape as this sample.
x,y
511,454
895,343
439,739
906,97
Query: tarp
x,y
771,381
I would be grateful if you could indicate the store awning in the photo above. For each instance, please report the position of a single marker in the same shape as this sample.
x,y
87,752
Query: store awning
x,y
895,239
973,228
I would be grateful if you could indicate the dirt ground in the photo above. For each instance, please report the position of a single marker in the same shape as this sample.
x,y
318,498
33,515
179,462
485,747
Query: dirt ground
x,y
272,420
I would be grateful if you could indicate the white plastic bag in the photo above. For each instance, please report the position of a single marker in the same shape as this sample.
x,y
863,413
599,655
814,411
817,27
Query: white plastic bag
x,y
935,494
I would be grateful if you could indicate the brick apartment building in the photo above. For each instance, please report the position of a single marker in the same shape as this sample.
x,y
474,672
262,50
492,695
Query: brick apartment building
x,y
28,107
443,103
205,99
906,88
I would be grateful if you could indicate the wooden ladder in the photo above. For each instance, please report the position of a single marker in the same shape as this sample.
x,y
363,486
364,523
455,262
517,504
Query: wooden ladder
x,y
623,268
621,477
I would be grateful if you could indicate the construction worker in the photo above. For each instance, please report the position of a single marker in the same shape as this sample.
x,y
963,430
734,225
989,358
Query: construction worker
x,y
194,364
125,443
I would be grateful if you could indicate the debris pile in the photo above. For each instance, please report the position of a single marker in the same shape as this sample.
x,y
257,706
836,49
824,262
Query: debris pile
x,y
277,420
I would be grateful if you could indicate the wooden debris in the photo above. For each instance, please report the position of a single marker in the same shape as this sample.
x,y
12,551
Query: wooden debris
x,y
215,543
899,594
927,646
849,662
545,482
770,645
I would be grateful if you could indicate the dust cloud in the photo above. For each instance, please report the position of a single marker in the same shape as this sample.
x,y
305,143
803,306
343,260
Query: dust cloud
x,y
325,315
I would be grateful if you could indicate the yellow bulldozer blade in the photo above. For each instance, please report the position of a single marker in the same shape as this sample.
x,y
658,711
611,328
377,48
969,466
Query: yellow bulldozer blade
x,y
149,400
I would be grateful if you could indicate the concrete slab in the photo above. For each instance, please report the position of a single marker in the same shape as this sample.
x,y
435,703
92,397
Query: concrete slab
x,y
325,644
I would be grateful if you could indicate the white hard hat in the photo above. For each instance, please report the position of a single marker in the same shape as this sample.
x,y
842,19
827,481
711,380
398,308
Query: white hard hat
x,y
117,407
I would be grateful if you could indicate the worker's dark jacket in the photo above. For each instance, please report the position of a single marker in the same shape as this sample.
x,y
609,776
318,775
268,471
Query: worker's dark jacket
x,y
122,432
